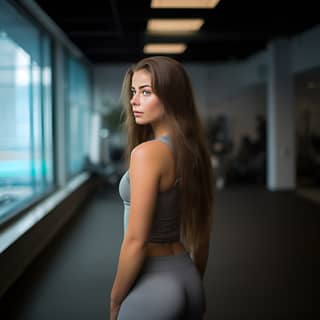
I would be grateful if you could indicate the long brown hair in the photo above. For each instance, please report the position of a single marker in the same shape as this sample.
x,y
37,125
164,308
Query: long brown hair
x,y
171,84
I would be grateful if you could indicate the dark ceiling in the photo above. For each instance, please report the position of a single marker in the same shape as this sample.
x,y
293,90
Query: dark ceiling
x,y
115,30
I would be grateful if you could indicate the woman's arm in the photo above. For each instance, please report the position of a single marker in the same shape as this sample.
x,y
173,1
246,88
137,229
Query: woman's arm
x,y
145,175
132,255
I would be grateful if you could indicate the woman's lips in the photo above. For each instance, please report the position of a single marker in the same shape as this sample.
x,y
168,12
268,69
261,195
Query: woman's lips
x,y
137,113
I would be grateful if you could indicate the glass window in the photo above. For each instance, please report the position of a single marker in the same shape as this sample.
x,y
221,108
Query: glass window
x,y
78,108
26,169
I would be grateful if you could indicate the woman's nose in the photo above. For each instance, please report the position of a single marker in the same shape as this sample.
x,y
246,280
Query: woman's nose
x,y
134,100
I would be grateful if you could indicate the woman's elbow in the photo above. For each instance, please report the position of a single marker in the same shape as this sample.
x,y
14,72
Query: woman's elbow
x,y
136,243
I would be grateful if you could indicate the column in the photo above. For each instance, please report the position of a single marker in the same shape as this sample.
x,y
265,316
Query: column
x,y
281,165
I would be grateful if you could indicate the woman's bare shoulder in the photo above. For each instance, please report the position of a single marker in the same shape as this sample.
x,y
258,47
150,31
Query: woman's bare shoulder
x,y
152,148
153,153
147,157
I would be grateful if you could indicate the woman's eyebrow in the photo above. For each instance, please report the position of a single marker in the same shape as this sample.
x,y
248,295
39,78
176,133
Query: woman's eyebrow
x,y
141,87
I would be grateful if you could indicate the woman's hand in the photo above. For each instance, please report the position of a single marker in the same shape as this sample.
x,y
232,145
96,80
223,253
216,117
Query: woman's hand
x,y
114,310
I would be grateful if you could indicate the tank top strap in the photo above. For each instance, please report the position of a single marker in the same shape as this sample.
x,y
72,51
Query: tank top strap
x,y
165,139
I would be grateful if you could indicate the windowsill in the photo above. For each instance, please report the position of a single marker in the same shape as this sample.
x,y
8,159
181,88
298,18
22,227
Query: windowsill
x,y
18,227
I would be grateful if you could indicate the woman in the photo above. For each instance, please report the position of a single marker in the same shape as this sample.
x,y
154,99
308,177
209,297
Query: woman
x,y
168,198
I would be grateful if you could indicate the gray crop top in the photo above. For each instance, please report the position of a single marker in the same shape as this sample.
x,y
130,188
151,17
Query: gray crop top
x,y
166,223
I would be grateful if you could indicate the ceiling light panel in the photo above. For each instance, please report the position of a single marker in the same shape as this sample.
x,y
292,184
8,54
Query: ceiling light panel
x,y
200,4
167,48
174,25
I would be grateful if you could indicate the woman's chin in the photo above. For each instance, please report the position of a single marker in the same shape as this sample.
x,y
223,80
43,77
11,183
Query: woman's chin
x,y
140,121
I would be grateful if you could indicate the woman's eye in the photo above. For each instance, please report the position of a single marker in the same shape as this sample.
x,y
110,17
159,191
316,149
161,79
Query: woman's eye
x,y
132,93
146,92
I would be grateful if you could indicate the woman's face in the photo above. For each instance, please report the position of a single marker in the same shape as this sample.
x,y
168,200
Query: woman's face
x,y
146,106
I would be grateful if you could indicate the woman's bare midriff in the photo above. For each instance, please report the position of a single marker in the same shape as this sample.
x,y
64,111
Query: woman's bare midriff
x,y
164,249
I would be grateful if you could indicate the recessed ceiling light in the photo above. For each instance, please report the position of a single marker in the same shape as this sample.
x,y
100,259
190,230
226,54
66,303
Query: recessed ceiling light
x,y
201,4
174,25
164,48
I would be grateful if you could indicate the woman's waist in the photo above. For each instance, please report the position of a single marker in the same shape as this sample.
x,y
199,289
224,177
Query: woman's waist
x,y
164,249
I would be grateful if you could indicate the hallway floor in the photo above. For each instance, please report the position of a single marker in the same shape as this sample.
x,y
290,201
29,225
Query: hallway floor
x,y
264,261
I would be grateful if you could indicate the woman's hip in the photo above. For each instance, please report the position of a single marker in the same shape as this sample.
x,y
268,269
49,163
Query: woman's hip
x,y
167,287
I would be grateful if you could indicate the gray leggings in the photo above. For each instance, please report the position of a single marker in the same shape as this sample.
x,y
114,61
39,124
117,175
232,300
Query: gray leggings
x,y
168,288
